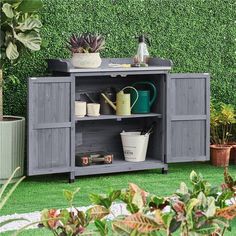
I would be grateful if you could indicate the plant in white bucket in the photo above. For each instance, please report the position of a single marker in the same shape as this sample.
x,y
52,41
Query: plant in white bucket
x,y
85,49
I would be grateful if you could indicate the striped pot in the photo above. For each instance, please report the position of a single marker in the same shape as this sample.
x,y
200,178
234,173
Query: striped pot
x,y
12,146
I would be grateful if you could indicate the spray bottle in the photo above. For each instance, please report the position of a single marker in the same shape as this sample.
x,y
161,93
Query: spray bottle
x,y
142,55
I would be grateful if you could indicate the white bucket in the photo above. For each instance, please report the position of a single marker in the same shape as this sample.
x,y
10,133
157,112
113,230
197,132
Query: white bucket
x,y
134,146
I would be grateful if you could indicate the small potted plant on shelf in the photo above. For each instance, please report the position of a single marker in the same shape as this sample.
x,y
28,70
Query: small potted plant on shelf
x,y
222,120
85,49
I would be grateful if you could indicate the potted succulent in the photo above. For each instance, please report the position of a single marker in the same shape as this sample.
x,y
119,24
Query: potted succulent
x,y
19,30
85,49
222,120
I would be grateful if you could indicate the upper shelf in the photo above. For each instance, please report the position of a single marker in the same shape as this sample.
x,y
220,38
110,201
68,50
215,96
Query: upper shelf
x,y
155,65
115,117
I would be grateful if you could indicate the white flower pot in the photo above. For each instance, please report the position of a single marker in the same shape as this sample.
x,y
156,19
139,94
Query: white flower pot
x,y
86,60
12,142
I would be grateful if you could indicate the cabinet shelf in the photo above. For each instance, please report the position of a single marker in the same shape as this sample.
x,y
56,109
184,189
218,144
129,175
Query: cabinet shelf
x,y
119,166
115,117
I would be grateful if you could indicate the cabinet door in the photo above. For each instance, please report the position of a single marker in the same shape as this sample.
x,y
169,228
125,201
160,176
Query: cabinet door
x,y
188,112
50,125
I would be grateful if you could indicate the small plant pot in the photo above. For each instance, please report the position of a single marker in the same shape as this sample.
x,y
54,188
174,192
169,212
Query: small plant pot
x,y
220,155
86,60
233,152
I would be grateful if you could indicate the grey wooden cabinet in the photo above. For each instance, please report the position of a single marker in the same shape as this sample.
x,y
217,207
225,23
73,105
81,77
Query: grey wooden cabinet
x,y
55,134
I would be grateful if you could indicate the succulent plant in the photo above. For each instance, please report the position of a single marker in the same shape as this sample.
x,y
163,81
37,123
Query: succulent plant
x,y
86,43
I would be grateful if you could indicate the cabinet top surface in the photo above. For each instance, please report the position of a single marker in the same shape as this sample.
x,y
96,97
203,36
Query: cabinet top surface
x,y
155,64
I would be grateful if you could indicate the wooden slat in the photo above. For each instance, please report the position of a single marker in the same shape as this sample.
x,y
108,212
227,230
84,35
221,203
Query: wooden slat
x,y
50,79
53,125
119,166
114,117
188,117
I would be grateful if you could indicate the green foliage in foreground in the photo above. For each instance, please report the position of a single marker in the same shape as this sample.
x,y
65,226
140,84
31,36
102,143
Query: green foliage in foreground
x,y
36,193
199,36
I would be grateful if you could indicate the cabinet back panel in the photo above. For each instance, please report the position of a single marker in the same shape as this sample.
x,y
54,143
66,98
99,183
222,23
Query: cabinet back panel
x,y
95,85
105,136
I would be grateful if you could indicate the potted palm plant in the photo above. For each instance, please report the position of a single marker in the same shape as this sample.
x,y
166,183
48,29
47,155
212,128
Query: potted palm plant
x,y
85,50
19,30
222,120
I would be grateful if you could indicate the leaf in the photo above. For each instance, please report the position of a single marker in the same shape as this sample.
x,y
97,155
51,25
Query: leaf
x,y
211,207
9,193
12,52
69,195
8,11
31,40
194,177
157,200
30,6
121,229
207,229
183,189
141,223
133,188
114,195
191,204
97,212
12,220
138,200
100,200
65,216
174,225
202,199
228,213
132,208
44,217
102,227
29,24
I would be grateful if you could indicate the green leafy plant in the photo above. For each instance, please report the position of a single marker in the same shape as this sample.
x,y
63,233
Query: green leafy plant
x,y
74,222
4,197
86,43
222,120
198,210
20,27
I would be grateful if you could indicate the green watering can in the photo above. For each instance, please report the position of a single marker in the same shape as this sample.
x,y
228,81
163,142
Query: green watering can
x,y
123,107
144,103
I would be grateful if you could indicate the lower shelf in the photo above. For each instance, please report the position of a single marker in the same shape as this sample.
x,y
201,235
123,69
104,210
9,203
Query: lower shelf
x,y
119,166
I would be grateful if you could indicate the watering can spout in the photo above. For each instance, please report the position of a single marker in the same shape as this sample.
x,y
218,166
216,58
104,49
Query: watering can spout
x,y
109,101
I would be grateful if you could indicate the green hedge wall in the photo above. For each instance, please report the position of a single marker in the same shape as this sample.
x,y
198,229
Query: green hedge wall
x,y
198,35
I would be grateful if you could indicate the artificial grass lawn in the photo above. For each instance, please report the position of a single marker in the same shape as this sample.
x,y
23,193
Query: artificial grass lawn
x,y
37,193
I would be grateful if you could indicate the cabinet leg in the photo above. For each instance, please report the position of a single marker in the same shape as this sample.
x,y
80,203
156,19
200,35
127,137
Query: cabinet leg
x,y
164,171
71,177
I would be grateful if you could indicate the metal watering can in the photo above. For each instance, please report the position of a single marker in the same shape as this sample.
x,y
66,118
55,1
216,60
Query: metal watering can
x,y
144,103
123,106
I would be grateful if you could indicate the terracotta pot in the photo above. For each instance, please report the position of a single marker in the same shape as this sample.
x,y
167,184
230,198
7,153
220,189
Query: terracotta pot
x,y
233,152
220,155
86,60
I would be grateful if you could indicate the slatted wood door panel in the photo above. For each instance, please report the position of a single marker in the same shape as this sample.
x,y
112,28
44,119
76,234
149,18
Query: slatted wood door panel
x,y
188,98
50,125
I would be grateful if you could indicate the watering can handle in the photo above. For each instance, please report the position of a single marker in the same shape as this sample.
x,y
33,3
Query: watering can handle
x,y
153,89
130,87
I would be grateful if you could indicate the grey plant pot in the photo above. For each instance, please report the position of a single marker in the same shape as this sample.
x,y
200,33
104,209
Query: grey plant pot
x,y
12,146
